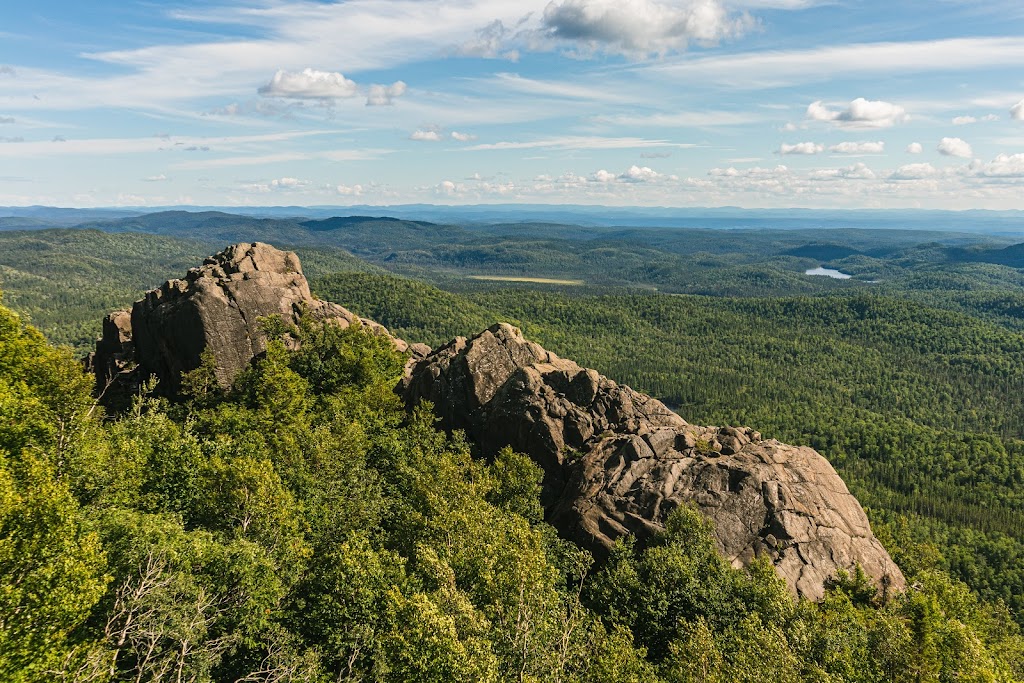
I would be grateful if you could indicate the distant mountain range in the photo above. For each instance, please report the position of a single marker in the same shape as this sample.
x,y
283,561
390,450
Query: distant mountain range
x,y
975,221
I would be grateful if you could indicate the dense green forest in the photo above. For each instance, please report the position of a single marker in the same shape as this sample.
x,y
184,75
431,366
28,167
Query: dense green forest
x,y
919,409
304,527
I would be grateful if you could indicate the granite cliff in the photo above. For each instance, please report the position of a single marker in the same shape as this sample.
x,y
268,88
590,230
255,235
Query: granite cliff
x,y
615,461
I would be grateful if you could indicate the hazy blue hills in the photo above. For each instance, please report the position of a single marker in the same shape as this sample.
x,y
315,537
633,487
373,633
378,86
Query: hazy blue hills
x,y
974,221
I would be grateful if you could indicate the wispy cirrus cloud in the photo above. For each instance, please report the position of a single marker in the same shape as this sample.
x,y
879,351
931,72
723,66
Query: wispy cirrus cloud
x,y
858,148
780,68
514,83
273,158
968,120
581,142
709,118
152,144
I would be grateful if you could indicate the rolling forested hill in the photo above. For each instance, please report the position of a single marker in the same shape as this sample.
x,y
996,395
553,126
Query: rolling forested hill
x,y
911,386
921,410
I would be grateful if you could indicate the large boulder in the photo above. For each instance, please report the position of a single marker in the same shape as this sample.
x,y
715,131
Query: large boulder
x,y
617,462
216,307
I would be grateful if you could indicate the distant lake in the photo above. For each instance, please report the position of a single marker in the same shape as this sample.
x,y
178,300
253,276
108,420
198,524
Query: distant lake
x,y
828,272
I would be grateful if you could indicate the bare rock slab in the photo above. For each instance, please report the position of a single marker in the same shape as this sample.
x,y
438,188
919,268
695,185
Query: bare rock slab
x,y
617,462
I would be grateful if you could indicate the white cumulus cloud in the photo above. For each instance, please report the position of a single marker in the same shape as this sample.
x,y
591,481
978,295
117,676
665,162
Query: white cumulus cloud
x,y
633,174
914,172
756,171
309,84
642,26
426,136
955,147
858,171
349,190
860,113
385,95
1017,111
801,148
1004,166
640,174
447,188
858,148
279,185
463,137
915,148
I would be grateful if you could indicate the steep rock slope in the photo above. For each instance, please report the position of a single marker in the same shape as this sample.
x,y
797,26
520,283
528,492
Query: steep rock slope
x,y
617,462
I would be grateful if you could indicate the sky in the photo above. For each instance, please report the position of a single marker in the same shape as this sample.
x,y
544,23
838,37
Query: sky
x,y
676,103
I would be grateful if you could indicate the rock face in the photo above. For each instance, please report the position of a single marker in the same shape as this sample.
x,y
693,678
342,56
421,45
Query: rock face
x,y
216,307
618,462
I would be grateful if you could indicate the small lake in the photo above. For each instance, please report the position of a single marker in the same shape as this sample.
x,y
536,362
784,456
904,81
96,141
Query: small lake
x,y
828,272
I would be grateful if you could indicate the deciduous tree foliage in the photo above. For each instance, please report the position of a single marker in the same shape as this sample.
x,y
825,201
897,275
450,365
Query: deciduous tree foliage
x,y
920,409
303,526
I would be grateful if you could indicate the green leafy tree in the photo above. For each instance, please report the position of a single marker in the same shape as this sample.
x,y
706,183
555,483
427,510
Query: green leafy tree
x,y
51,570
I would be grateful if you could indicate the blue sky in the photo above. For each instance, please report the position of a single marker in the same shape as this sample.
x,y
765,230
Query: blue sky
x,y
754,103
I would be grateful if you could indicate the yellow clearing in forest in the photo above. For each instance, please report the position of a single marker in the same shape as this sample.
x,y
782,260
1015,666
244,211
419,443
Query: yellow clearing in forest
x,y
538,280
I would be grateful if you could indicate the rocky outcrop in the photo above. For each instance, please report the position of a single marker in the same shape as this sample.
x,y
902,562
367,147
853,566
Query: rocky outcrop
x,y
216,307
617,462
